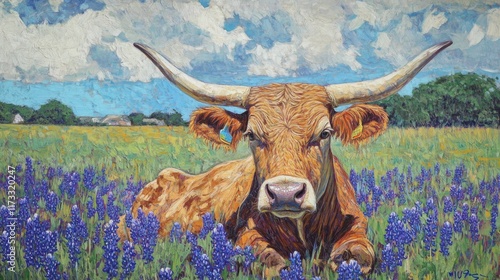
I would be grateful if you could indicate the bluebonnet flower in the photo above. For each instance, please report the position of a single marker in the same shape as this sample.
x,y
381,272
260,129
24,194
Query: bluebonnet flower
x,y
111,250
474,228
201,262
389,262
494,213
459,174
437,168
113,210
100,208
401,189
222,249
78,223
29,177
430,233
446,232
89,177
70,183
52,201
295,272
448,172
208,225
176,233
465,211
131,192
353,177
90,208
39,242
74,242
457,222
349,270
144,231
24,210
51,173
4,246
369,210
59,171
165,274
128,260
41,188
51,265
376,197
191,238
391,195
249,258
128,219
398,236
370,179
483,201
97,234
456,193
470,191
448,205
4,215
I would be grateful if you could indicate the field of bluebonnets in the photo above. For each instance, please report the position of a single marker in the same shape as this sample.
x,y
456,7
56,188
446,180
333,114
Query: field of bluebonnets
x,y
431,196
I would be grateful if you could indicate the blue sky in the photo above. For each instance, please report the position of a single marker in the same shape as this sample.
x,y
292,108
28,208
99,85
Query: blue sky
x,y
80,52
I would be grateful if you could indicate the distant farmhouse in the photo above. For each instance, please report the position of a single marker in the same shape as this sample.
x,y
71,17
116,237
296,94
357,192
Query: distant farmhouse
x,y
18,119
153,121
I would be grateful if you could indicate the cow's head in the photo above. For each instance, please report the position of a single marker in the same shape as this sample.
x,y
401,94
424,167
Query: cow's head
x,y
289,127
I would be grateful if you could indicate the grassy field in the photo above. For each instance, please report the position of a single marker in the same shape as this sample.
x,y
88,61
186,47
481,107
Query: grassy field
x,y
142,152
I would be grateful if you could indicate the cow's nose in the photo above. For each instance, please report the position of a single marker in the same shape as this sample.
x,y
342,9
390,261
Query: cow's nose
x,y
286,196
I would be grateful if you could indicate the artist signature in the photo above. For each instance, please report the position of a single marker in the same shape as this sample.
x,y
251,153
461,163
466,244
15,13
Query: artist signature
x,y
459,274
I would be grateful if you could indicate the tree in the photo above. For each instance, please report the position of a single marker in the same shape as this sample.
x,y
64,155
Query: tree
x,y
54,112
8,111
174,118
136,118
454,100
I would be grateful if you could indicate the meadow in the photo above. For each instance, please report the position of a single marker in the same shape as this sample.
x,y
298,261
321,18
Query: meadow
x,y
416,185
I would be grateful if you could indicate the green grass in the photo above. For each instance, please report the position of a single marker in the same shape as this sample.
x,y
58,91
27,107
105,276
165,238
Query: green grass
x,y
143,151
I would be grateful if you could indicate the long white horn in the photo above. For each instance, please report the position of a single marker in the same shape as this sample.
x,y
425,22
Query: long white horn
x,y
373,90
207,93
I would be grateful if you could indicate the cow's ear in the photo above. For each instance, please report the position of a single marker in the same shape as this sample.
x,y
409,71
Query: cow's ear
x,y
359,123
222,128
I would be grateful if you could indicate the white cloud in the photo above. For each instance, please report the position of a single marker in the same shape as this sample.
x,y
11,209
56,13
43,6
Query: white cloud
x,y
475,36
280,60
433,20
493,31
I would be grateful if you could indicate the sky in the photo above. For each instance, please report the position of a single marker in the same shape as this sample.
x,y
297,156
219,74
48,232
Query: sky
x,y
80,51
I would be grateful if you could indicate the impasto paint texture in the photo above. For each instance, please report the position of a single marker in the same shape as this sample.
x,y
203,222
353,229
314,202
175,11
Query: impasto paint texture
x,y
307,183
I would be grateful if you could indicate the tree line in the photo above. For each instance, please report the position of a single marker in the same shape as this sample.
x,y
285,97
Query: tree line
x,y
55,112
462,100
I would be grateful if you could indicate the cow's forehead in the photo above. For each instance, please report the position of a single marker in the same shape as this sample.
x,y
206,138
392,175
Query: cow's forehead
x,y
298,107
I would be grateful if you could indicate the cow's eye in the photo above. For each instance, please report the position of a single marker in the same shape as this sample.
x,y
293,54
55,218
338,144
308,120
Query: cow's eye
x,y
326,133
249,134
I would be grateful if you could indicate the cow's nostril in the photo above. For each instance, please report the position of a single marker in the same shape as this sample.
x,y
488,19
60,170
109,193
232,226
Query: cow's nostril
x,y
299,196
270,194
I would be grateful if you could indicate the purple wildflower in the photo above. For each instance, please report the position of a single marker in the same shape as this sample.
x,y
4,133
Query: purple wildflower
x,y
457,222
165,274
222,249
465,211
459,174
448,205
78,223
128,260
97,234
176,233
446,232
51,173
4,216
295,272
70,183
353,177
74,242
208,225
100,208
249,258
144,231
5,246
349,270
457,193
111,250
494,213
39,242
24,210
113,210
430,233
51,265
474,228
52,201
90,208
29,177
389,262
89,178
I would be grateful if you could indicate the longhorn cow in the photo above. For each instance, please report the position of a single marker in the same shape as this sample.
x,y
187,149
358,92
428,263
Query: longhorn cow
x,y
292,193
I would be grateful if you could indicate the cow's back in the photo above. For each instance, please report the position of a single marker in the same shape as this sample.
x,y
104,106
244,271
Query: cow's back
x,y
176,196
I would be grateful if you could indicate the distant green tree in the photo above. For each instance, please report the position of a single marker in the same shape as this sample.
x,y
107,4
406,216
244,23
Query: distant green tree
x,y
54,112
8,111
136,118
455,100
174,119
